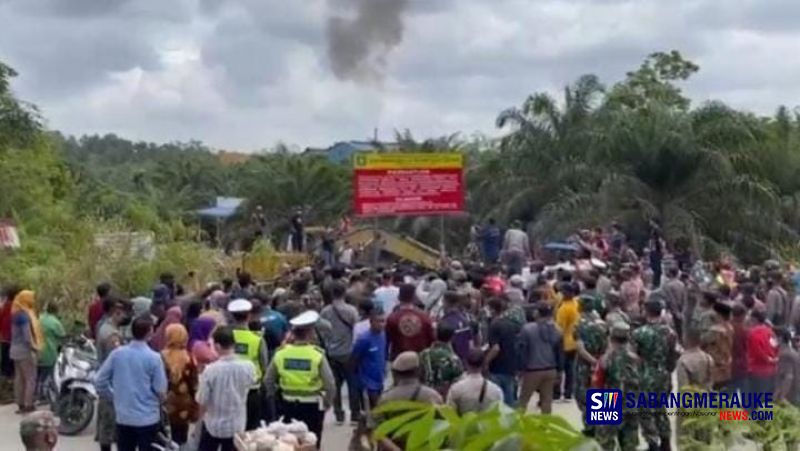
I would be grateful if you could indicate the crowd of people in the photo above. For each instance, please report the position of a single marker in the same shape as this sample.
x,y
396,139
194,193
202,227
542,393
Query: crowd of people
x,y
497,328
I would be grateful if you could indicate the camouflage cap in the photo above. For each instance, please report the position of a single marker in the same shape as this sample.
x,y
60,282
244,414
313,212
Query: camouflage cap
x,y
620,329
588,303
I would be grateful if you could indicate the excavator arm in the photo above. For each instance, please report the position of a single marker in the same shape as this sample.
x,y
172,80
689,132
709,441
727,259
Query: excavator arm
x,y
403,247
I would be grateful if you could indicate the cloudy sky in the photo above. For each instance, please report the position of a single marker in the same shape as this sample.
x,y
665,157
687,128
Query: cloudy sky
x,y
244,74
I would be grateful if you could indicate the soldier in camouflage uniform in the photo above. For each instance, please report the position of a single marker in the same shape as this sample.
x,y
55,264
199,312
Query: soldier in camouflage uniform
x,y
515,313
590,293
591,336
619,368
656,344
440,365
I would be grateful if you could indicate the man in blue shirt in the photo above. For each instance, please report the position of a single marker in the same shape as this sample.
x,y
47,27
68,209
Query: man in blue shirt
x,y
369,356
491,240
274,324
134,376
274,327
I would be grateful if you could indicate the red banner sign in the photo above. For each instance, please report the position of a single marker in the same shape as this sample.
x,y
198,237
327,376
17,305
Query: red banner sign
x,y
389,184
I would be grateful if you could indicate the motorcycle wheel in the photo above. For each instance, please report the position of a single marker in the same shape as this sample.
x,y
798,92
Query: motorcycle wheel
x,y
75,409
52,394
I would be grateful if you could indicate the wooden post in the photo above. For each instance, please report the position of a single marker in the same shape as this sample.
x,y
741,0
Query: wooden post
x,y
376,245
442,248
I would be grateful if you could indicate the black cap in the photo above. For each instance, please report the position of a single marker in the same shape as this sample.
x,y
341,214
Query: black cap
x,y
723,308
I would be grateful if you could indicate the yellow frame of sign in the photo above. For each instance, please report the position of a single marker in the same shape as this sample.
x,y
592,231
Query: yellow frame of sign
x,y
399,160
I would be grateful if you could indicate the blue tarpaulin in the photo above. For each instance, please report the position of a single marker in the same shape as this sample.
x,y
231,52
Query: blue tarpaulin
x,y
556,246
225,208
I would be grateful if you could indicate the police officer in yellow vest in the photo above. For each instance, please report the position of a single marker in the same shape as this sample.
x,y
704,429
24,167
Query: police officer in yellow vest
x,y
303,375
249,345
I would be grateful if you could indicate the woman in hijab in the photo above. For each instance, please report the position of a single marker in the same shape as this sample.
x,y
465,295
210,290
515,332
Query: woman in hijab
x,y
193,310
182,409
27,340
200,347
159,339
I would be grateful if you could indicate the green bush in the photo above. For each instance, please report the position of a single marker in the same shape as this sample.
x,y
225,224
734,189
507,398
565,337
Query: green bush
x,y
433,427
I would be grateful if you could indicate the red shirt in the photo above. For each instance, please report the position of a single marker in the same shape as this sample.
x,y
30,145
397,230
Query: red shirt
x,y
95,315
602,244
762,351
408,329
739,366
496,285
5,321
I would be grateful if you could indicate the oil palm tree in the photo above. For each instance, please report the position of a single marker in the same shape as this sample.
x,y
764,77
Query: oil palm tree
x,y
660,163
545,153
283,183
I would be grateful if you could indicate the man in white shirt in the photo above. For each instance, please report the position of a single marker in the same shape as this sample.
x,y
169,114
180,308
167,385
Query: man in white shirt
x,y
385,296
474,392
222,394
347,254
516,248
365,309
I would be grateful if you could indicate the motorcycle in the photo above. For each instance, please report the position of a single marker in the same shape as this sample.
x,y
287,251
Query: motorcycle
x,y
165,443
72,394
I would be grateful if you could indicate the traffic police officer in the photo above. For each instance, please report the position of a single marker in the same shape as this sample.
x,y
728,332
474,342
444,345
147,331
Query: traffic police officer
x,y
303,374
249,345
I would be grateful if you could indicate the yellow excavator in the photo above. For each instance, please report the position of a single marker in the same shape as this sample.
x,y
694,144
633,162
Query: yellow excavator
x,y
265,263
372,241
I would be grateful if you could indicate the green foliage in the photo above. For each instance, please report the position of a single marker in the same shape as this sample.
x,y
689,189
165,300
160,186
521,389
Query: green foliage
x,y
702,429
433,427
19,121
780,434
654,82
705,432
60,200
171,179
282,183
714,177
32,180
63,267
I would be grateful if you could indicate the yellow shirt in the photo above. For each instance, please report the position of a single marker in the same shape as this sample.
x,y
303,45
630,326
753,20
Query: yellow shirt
x,y
552,297
567,317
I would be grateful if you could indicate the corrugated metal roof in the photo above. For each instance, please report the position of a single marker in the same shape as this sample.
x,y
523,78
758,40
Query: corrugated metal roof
x,y
225,208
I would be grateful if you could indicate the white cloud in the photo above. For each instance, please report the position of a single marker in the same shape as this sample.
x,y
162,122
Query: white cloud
x,y
247,73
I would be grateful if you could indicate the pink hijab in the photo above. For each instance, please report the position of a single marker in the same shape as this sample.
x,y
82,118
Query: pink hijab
x,y
159,339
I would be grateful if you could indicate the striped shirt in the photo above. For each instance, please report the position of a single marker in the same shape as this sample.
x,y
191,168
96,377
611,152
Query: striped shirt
x,y
223,392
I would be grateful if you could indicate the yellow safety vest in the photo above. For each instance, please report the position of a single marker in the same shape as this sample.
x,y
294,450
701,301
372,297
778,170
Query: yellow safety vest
x,y
298,369
246,345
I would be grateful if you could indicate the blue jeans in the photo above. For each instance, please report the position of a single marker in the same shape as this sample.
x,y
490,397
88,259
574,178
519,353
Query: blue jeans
x,y
327,258
507,383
